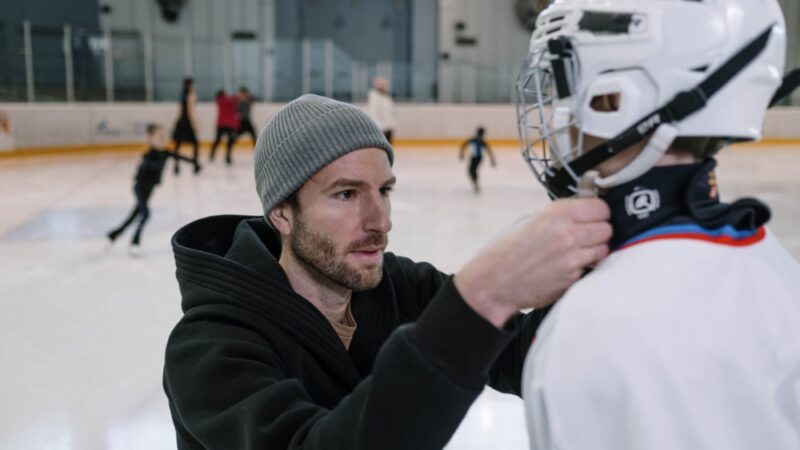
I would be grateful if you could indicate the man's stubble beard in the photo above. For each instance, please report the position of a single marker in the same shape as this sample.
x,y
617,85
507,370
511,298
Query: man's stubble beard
x,y
319,253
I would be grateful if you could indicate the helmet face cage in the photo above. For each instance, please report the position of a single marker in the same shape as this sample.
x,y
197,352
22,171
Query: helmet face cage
x,y
548,123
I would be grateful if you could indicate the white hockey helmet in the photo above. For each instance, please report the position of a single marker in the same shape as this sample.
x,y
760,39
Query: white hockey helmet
x,y
681,68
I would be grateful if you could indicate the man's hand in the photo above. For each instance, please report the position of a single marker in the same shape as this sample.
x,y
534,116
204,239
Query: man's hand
x,y
533,264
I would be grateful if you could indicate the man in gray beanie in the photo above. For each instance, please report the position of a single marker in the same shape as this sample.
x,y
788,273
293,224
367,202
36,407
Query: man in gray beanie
x,y
300,332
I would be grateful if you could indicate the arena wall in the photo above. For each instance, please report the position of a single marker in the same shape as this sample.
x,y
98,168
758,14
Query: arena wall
x,y
100,125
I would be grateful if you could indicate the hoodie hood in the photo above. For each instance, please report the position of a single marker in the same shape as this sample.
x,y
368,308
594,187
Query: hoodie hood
x,y
246,242
229,252
227,264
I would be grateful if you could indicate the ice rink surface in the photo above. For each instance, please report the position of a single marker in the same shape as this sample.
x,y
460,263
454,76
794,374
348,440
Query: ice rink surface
x,y
84,325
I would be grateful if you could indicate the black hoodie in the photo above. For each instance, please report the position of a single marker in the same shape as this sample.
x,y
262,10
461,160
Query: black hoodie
x,y
252,364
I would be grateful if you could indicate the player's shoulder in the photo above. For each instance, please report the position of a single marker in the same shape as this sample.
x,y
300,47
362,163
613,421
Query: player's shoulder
x,y
622,289
652,278
617,278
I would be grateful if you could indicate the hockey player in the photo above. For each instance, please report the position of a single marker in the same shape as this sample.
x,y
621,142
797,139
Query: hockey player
x,y
688,335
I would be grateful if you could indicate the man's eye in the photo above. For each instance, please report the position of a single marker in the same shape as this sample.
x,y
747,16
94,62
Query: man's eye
x,y
386,190
346,195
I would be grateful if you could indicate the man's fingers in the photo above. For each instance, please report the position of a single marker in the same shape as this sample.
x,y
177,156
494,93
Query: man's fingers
x,y
583,210
599,252
589,256
590,234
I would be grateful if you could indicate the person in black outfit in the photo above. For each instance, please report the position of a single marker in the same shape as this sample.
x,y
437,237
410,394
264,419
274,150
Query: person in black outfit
x,y
148,175
477,146
184,130
299,331
244,107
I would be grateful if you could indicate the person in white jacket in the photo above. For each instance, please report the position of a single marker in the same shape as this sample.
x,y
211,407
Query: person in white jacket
x,y
381,107
688,335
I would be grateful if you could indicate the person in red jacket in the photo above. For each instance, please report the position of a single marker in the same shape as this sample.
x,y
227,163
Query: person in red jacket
x,y
227,123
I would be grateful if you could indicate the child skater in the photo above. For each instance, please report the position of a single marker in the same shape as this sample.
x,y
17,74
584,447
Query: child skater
x,y
477,146
148,175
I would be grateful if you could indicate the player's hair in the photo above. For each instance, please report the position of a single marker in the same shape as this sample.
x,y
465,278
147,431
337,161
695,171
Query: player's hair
x,y
699,147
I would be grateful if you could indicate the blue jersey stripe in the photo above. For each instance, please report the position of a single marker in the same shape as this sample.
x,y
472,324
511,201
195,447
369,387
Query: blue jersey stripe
x,y
691,228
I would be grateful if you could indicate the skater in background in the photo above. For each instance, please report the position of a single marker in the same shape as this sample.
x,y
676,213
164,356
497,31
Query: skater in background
x,y
381,107
148,175
185,126
227,123
6,138
477,145
5,124
243,107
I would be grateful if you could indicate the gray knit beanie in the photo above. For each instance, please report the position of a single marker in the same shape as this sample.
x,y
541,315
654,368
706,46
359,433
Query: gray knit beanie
x,y
305,136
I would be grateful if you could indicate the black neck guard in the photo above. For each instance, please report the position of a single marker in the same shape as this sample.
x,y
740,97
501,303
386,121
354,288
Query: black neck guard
x,y
675,195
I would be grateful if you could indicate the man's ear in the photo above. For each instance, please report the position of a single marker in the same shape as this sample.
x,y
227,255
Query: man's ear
x,y
281,217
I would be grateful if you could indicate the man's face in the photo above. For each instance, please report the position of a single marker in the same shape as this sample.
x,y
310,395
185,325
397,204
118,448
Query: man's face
x,y
340,229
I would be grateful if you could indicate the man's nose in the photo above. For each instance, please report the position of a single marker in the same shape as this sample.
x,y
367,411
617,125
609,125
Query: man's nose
x,y
377,214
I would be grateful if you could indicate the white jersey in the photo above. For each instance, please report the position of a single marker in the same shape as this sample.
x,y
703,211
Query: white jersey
x,y
381,107
687,339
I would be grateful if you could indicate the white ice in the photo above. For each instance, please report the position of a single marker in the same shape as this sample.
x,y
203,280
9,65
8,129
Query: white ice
x,y
83,325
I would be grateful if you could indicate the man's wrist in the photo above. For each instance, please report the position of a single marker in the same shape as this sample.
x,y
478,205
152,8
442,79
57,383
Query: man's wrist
x,y
459,340
481,300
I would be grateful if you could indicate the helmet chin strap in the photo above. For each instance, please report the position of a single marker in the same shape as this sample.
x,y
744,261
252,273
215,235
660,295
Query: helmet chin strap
x,y
658,144
665,135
